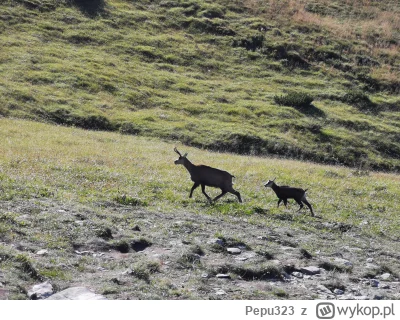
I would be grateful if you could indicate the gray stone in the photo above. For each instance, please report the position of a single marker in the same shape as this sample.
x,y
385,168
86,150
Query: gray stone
x,y
40,291
346,297
204,275
297,274
323,289
371,266
370,260
220,292
216,241
223,276
384,286
385,277
374,283
128,271
76,293
338,292
343,262
42,252
241,258
234,250
311,270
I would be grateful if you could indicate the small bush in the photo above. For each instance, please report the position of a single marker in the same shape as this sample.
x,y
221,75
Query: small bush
x,y
122,246
129,201
294,99
213,11
251,43
128,128
104,233
358,99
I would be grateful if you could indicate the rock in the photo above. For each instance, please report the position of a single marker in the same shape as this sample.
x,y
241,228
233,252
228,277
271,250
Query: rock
x,y
343,262
311,270
127,271
234,250
378,297
338,292
241,258
297,274
84,253
223,276
323,289
76,293
40,291
370,260
385,277
372,266
384,286
374,283
262,238
220,292
204,275
42,252
216,241
136,228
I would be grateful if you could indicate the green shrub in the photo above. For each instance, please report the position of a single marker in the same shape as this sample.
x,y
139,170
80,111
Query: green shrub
x,y
129,201
294,99
128,128
213,11
358,99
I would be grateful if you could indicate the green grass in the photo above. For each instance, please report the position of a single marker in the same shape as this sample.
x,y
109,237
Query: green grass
x,y
74,165
206,73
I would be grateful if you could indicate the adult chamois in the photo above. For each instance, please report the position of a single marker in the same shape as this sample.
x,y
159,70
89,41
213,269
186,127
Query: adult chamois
x,y
285,192
207,176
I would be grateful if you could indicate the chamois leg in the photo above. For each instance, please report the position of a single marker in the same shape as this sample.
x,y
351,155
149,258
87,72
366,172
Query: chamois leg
x,y
193,188
236,193
279,201
203,189
309,206
285,202
300,204
219,196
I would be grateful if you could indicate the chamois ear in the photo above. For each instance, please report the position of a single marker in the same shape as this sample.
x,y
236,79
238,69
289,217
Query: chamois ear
x,y
185,155
274,179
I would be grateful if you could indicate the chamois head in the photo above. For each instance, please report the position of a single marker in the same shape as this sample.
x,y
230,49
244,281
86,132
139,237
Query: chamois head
x,y
181,157
269,183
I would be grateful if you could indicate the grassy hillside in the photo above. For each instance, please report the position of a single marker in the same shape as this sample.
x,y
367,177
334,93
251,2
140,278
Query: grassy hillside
x,y
42,161
88,198
210,73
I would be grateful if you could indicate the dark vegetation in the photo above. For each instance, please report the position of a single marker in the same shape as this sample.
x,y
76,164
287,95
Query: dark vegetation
x,y
268,78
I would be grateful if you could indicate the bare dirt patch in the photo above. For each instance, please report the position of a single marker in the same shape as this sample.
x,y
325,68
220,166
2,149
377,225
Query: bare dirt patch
x,y
184,255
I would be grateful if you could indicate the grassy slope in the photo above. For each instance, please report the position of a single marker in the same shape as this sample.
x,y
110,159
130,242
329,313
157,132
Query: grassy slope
x,y
39,160
170,69
61,189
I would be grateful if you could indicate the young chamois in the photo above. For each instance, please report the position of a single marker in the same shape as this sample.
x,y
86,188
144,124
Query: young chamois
x,y
285,192
207,176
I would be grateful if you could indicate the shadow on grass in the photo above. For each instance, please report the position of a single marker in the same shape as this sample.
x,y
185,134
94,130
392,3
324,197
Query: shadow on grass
x,y
91,8
312,111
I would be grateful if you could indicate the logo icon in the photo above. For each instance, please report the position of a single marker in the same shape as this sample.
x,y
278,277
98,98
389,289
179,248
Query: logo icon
x,y
325,310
